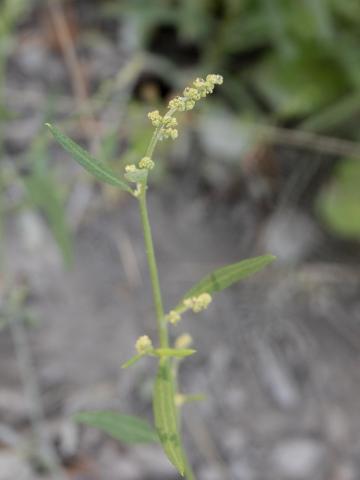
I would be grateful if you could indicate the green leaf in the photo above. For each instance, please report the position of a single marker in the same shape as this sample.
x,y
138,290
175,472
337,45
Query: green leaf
x,y
338,202
132,360
127,429
225,277
173,352
97,169
301,85
165,414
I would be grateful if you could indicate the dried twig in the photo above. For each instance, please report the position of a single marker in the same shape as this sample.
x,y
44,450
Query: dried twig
x,y
72,62
300,138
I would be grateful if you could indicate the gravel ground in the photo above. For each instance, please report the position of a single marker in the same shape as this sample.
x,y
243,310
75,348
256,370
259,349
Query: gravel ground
x,y
272,352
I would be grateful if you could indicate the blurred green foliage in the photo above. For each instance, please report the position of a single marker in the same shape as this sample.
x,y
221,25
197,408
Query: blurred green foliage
x,y
11,11
40,190
43,193
293,63
285,60
339,202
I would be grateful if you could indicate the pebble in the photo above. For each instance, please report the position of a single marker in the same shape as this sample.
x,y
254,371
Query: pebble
x,y
211,472
153,462
241,470
115,464
299,459
13,408
13,467
291,235
234,441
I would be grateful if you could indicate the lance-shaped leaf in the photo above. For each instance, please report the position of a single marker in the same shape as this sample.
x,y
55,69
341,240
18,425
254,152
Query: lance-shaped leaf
x,y
132,360
224,277
127,429
165,414
97,169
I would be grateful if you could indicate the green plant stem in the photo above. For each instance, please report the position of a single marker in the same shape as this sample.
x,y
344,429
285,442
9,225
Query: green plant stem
x,y
154,276
158,303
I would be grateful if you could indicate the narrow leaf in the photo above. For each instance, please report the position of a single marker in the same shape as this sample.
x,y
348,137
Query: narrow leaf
x,y
225,277
97,169
125,428
165,414
132,360
174,352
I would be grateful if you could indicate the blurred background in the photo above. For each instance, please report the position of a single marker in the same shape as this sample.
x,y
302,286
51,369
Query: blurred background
x,y
270,163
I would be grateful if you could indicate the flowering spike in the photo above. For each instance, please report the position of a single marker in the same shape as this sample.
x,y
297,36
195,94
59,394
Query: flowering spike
x,y
143,345
199,89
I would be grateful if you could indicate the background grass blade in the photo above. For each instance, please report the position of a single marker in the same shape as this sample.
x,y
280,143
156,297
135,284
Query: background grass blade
x,y
97,169
127,429
226,276
165,414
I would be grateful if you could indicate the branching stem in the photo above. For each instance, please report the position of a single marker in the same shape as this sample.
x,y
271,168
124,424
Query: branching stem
x,y
154,276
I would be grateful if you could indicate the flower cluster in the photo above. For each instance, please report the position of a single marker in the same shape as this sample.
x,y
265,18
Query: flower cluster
x,y
167,124
183,341
146,163
130,168
197,304
143,345
199,89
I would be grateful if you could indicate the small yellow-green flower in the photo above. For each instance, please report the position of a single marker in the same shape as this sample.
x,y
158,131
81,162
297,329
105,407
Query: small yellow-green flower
x,y
146,163
180,399
155,118
173,317
143,345
130,168
183,341
199,303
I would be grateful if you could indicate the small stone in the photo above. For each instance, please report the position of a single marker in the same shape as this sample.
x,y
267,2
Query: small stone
x,y
345,471
13,407
115,465
67,440
211,472
13,467
241,470
277,378
291,235
153,462
125,469
299,459
234,442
